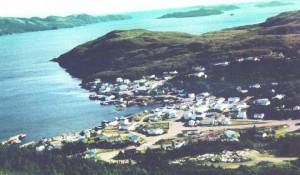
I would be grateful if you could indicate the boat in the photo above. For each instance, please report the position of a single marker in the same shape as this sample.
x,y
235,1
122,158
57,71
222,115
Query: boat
x,y
104,103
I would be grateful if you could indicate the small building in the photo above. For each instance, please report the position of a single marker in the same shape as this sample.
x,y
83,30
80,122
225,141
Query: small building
x,y
262,102
231,134
133,138
191,123
123,121
40,148
259,116
113,139
123,87
119,80
233,99
242,114
191,95
209,121
189,132
172,113
189,116
178,143
213,137
155,131
279,96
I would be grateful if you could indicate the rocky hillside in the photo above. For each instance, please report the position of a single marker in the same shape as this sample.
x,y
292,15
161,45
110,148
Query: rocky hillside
x,y
134,53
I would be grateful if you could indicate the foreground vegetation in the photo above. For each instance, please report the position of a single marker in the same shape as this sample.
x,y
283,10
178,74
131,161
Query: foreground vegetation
x,y
14,160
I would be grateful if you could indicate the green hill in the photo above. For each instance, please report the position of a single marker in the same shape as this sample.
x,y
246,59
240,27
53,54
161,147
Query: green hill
x,y
10,25
134,53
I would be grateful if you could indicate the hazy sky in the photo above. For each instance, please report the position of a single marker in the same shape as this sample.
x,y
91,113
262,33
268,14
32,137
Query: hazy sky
x,y
42,8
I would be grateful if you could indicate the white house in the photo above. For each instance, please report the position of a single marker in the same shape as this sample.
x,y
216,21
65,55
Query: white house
x,y
156,131
123,87
259,116
242,114
220,100
262,102
127,81
178,143
123,121
127,127
233,99
153,118
189,116
171,113
224,121
199,69
191,123
119,80
191,95
40,148
221,106
189,132
230,134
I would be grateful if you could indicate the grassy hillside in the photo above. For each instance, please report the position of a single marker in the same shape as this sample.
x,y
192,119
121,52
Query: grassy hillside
x,y
135,53
10,25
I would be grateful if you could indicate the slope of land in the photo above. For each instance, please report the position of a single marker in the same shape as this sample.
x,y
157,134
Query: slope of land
x,y
204,11
273,4
134,53
10,25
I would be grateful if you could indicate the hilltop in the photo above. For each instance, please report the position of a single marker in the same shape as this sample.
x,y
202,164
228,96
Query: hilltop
x,y
11,25
133,53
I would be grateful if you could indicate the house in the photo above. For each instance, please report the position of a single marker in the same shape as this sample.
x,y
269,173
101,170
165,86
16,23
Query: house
x,y
189,116
199,69
189,132
56,144
231,134
173,72
123,87
155,131
221,106
220,100
126,81
127,127
119,80
260,135
213,137
191,95
153,118
258,116
123,121
201,109
224,121
133,138
279,96
255,86
90,153
40,148
205,94
242,114
191,123
233,99
171,113
178,143
157,112
262,102
199,75
209,121
113,139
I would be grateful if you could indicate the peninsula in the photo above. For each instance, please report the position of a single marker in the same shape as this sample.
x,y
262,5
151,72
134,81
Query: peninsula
x,y
204,11
134,53
11,25
273,4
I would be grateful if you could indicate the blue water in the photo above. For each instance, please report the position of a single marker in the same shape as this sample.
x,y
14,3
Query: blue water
x,y
40,99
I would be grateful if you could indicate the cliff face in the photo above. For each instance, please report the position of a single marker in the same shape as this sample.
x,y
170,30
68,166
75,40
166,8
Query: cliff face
x,y
138,52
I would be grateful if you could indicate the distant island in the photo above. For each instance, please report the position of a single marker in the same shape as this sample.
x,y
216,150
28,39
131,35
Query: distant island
x,y
11,25
204,11
273,4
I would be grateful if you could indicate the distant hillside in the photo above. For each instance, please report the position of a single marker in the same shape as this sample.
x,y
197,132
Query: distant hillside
x,y
204,11
273,4
134,53
10,25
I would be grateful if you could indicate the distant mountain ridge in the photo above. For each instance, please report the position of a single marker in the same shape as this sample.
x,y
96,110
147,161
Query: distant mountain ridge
x,y
133,53
273,4
11,25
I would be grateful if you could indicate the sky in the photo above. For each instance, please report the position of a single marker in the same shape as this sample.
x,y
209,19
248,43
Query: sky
x,y
43,8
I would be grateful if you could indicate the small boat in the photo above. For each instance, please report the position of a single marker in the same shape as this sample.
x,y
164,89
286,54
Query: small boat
x,y
119,108
104,103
